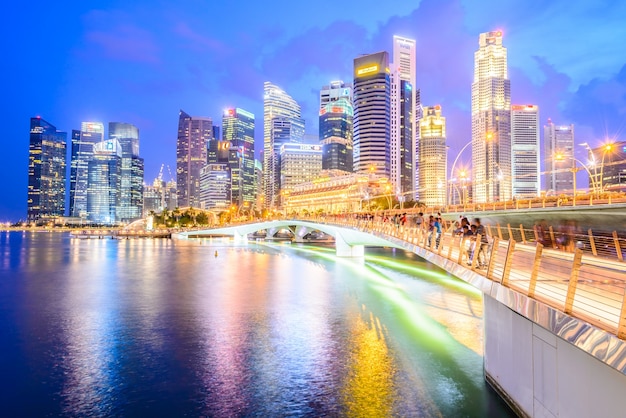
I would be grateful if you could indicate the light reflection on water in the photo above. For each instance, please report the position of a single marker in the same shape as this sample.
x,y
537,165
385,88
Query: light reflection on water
x,y
169,328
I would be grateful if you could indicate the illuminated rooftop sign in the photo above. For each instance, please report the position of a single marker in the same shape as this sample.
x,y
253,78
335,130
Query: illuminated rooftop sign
x,y
368,69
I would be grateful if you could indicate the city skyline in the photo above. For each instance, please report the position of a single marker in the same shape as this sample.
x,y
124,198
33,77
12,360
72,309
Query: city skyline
x,y
123,52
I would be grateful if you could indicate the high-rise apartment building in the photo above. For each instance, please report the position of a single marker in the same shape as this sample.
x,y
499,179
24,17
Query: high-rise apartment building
x,y
282,123
560,162
372,102
238,130
46,171
104,173
526,165
403,145
131,186
335,132
194,134
433,157
83,141
491,121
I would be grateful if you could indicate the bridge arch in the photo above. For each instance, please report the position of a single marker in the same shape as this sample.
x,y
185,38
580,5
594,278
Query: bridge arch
x,y
349,242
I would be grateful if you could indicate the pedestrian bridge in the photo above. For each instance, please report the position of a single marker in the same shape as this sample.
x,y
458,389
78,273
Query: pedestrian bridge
x,y
349,242
554,320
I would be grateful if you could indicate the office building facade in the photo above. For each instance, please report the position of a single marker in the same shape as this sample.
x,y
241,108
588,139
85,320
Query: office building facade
x,y
372,104
433,160
525,155
132,174
491,121
238,130
46,171
299,163
560,163
403,143
83,142
282,123
194,134
104,182
335,134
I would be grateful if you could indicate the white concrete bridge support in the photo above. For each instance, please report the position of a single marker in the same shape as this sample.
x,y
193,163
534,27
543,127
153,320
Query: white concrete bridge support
x,y
299,231
346,250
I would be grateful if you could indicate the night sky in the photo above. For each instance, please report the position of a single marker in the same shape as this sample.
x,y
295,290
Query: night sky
x,y
142,61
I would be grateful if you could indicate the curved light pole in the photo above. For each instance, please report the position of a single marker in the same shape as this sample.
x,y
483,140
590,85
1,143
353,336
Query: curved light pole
x,y
606,148
574,170
454,164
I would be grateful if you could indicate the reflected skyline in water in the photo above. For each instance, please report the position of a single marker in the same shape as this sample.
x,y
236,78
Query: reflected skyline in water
x,y
162,327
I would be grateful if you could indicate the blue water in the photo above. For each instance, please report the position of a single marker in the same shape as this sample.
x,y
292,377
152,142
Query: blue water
x,y
209,328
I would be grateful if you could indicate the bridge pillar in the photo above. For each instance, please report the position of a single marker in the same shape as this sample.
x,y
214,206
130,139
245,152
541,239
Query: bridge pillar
x,y
239,237
271,232
299,233
346,250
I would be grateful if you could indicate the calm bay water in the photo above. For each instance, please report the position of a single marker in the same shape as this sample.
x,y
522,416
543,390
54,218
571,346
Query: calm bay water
x,y
210,328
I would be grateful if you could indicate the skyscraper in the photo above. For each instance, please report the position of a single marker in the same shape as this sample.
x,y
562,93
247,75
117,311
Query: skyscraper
x,y
194,134
282,123
335,132
334,91
46,171
403,121
433,160
238,130
83,141
371,114
491,121
131,186
560,163
104,173
525,150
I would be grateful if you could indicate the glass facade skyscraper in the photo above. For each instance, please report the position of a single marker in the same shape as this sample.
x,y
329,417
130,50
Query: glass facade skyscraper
x,y
83,141
335,131
104,182
194,134
131,186
371,114
282,123
46,171
238,130
491,121
559,147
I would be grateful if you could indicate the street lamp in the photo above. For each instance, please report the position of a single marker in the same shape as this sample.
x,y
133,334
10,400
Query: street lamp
x,y
605,148
454,163
463,177
574,170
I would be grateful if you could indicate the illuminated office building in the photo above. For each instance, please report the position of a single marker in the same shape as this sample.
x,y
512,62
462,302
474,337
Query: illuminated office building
x,y
299,163
238,130
433,160
282,123
559,147
215,187
46,171
403,130
526,165
336,90
104,182
194,134
131,186
371,140
491,121
335,134
83,141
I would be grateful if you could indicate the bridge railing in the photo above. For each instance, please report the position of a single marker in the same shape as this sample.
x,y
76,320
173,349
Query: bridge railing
x,y
575,280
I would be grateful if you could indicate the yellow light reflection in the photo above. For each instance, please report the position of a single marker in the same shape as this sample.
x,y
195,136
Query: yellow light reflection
x,y
368,390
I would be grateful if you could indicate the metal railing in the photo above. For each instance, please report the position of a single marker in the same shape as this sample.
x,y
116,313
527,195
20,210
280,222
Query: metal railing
x,y
581,275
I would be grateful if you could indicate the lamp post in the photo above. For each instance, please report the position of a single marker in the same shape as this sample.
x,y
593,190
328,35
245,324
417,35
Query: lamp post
x,y
606,148
574,170
463,177
454,163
